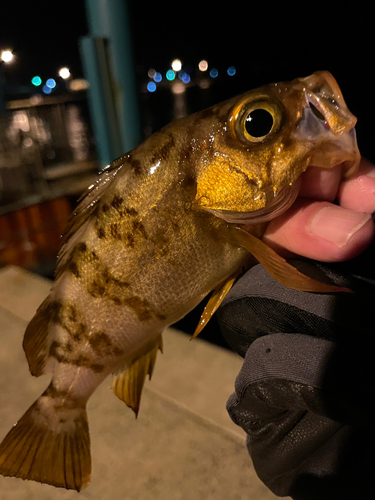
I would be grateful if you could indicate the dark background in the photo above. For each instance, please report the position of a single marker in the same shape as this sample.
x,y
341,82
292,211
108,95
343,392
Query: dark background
x,y
265,41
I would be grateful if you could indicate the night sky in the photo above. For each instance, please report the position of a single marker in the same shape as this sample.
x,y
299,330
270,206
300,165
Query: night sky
x,y
266,41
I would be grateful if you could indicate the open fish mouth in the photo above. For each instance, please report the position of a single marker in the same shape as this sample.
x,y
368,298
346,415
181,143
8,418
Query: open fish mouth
x,y
280,204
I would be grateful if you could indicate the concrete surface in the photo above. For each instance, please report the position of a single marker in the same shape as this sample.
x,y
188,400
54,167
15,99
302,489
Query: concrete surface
x,y
183,446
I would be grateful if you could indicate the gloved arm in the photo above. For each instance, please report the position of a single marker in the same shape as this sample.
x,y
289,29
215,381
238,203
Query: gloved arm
x,y
304,394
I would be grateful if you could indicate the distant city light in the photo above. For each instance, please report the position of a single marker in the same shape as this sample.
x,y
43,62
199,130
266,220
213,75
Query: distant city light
x,y
7,56
213,73
78,84
151,73
36,80
176,65
158,77
231,71
51,83
46,90
64,73
178,88
203,65
204,84
184,77
151,86
171,75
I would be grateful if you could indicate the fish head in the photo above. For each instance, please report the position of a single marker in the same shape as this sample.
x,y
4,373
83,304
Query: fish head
x,y
267,139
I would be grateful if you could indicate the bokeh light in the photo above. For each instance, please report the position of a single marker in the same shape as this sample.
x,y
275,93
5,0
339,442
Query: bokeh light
x,y
151,73
213,73
64,73
158,77
51,83
46,90
36,80
231,71
151,86
203,65
176,65
171,75
7,56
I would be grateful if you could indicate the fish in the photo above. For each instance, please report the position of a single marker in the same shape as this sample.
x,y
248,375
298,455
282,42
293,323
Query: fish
x,y
164,225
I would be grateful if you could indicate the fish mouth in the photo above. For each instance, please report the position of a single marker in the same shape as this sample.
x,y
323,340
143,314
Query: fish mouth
x,y
280,204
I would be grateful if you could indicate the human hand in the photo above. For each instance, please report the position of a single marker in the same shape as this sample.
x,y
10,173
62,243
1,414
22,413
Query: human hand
x,y
302,395
316,228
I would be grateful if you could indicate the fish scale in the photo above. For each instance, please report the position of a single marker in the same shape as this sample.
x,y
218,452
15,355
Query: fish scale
x,y
164,225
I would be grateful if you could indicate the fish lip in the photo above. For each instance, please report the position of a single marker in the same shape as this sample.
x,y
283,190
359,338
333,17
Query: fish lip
x,y
284,200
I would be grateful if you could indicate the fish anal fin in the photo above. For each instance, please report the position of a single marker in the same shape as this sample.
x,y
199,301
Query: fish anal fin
x,y
128,384
276,266
37,339
212,305
49,449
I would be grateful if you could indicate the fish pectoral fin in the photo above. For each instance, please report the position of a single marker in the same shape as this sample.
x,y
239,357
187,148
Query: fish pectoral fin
x,y
128,385
49,446
276,266
212,305
37,340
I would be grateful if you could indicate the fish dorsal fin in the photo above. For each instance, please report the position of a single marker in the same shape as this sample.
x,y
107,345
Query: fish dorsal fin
x,y
88,203
216,299
276,266
89,199
128,385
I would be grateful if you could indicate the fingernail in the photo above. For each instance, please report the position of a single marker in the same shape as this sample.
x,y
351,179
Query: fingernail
x,y
336,224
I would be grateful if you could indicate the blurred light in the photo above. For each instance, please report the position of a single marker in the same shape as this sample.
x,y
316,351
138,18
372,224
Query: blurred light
x,y
186,78
36,80
178,88
176,65
36,99
64,73
158,78
51,83
204,84
170,75
151,86
213,73
231,71
203,65
46,90
79,84
7,56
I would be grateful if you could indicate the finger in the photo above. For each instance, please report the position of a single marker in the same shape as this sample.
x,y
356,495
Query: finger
x,y
321,183
320,231
358,193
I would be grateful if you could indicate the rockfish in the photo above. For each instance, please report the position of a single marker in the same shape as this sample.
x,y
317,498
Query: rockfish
x,y
166,224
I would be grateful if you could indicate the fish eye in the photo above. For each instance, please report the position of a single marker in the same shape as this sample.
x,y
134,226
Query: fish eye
x,y
257,119
258,123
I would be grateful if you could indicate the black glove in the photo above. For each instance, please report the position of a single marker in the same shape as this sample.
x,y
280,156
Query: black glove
x,y
305,392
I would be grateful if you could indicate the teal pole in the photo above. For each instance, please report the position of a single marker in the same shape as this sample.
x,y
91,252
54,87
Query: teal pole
x,y
104,119
109,19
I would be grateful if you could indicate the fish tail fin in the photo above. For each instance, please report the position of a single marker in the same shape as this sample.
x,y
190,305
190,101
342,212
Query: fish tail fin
x,y
49,444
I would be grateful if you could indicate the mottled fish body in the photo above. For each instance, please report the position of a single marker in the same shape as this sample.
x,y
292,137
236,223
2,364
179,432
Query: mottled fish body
x,y
164,226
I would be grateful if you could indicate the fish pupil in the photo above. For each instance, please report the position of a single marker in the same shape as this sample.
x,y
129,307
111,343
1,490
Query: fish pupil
x,y
259,123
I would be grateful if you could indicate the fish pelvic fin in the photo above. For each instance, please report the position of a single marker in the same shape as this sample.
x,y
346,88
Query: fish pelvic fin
x,y
37,339
128,385
216,299
49,444
276,266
